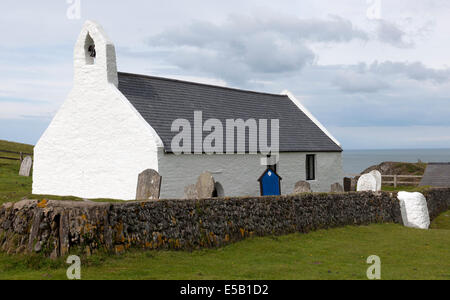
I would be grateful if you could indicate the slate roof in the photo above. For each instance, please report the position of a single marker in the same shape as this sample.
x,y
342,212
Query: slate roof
x,y
437,175
160,101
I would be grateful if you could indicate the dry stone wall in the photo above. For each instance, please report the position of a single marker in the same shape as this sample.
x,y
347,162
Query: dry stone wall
x,y
56,228
438,201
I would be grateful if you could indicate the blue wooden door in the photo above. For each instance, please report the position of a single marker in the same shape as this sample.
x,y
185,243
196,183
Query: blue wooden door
x,y
270,184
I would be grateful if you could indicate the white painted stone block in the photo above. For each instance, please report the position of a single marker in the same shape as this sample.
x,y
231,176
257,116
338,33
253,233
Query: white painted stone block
x,y
377,176
414,210
367,182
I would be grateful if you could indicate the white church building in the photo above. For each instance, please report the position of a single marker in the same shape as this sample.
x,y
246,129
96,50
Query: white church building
x,y
114,125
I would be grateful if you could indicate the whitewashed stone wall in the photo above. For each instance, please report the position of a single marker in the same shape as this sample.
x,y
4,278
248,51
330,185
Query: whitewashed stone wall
x,y
97,143
238,174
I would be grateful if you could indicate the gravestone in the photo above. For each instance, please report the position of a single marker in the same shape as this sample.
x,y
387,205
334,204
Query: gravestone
x,y
190,192
25,167
377,176
149,185
414,210
353,184
348,184
337,188
302,187
367,182
205,186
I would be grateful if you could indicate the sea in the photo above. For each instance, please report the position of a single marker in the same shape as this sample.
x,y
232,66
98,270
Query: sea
x,y
356,161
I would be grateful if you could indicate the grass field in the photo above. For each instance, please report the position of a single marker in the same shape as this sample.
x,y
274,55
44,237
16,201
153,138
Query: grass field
x,y
338,253
12,186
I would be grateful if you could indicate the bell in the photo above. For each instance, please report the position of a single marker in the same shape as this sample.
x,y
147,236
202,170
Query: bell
x,y
91,50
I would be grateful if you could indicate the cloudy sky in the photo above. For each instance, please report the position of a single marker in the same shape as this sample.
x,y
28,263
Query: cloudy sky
x,y
377,78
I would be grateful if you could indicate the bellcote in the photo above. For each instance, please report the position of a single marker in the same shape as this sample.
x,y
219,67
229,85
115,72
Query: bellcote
x,y
94,56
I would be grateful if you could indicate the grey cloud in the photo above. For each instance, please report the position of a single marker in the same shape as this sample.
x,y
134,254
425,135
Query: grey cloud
x,y
392,34
200,33
415,70
373,78
355,82
245,46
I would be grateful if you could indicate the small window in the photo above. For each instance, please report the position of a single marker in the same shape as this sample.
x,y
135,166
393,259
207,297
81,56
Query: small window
x,y
310,167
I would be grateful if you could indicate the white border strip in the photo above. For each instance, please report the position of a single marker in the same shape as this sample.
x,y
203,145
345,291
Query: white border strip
x,y
309,114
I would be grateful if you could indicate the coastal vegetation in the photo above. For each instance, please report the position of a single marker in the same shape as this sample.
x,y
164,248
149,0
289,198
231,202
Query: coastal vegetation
x,y
398,168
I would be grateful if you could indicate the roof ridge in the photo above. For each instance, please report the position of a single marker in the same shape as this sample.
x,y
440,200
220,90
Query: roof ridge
x,y
202,84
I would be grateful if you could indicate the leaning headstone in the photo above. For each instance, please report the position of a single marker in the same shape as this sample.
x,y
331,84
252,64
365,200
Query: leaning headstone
x,y
25,167
149,185
205,186
302,187
190,192
414,210
367,182
337,188
377,176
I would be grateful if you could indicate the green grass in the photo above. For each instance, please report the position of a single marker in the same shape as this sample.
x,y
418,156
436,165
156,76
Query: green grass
x,y
400,168
442,222
410,168
12,186
16,147
407,188
338,253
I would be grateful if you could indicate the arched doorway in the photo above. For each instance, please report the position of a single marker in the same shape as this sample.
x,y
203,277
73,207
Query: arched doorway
x,y
218,190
